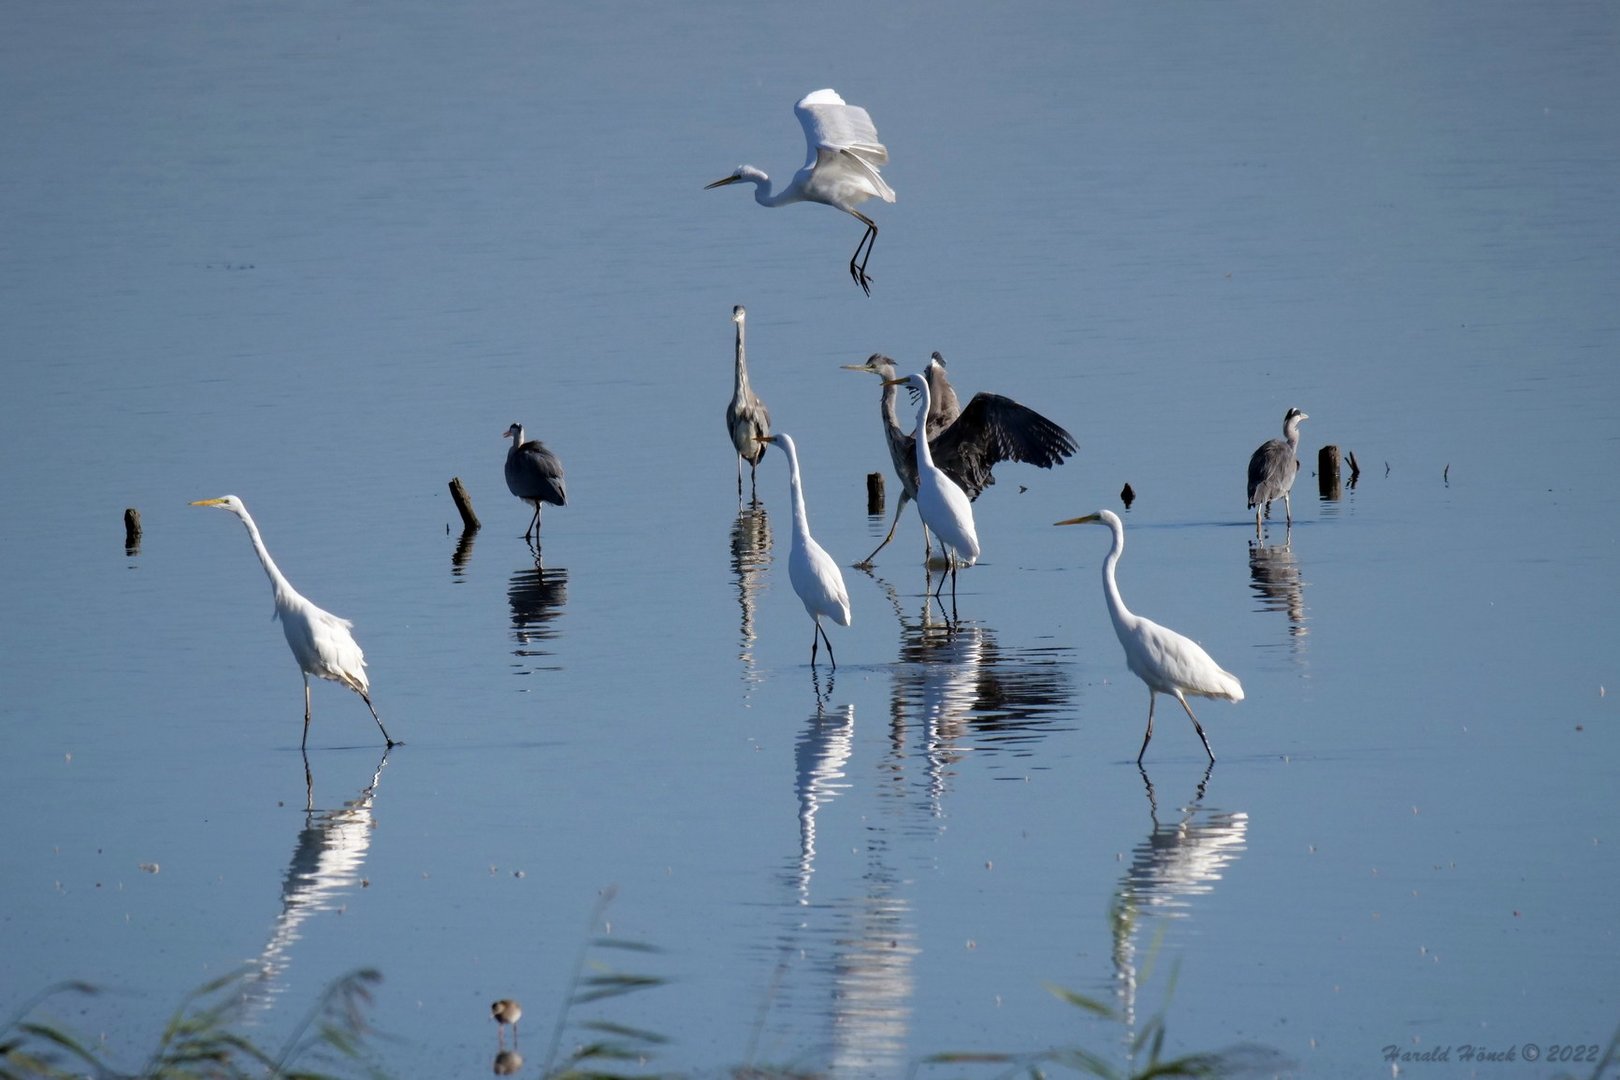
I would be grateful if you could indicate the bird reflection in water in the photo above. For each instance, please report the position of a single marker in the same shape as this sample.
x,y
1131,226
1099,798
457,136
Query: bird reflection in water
x,y
750,558
1274,577
537,596
507,1063
1181,859
325,868
819,757
970,695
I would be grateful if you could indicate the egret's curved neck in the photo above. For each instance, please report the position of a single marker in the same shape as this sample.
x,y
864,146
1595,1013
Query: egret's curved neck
x,y
925,459
762,188
278,581
1117,611
801,521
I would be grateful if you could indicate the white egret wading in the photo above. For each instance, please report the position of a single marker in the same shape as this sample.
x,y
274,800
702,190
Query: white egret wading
x,y
816,578
840,171
1168,662
320,641
944,506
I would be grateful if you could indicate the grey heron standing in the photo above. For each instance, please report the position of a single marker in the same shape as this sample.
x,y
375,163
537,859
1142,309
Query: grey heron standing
x,y
841,169
747,418
534,475
1272,469
967,444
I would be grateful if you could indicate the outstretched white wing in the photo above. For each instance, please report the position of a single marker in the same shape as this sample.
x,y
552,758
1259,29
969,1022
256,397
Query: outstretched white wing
x,y
837,132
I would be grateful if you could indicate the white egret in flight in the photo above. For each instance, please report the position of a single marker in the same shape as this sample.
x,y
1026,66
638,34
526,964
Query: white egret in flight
x,y
1168,662
747,418
945,507
840,171
1272,469
533,474
320,641
816,578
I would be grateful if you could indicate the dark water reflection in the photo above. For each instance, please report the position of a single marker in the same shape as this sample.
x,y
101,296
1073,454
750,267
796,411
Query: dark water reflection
x,y
325,867
463,553
536,595
1183,855
750,558
1274,576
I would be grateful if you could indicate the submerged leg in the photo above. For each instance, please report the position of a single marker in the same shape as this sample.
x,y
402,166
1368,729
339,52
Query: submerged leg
x,y
833,660
1288,507
365,697
1153,699
1197,727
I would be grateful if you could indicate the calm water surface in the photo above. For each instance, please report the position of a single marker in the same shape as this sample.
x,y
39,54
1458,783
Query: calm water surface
x,y
322,255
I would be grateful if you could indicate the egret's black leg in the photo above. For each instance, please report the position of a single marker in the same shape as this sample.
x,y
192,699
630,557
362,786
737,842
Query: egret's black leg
x,y
365,697
1153,699
305,741
1197,727
831,659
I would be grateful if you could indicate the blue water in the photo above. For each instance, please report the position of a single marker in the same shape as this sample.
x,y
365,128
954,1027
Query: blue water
x,y
321,256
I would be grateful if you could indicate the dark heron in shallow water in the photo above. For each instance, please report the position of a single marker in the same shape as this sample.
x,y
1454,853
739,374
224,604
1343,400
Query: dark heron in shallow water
x,y
534,475
747,419
1273,467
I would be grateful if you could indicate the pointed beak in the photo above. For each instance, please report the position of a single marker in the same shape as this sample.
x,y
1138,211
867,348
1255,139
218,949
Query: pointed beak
x,y
896,382
1088,519
722,182
209,502
765,438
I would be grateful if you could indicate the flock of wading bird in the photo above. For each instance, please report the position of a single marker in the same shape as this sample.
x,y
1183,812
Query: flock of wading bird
x,y
943,463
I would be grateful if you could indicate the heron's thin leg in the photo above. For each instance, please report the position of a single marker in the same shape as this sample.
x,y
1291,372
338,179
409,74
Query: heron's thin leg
x,y
1288,506
365,697
893,525
739,479
1153,699
1197,727
305,741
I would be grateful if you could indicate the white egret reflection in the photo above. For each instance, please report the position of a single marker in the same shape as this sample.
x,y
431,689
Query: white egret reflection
x,y
325,867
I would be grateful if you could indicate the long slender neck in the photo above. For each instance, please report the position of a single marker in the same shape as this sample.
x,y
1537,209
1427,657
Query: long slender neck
x,y
739,384
762,189
886,403
925,459
1117,611
801,521
1291,433
278,581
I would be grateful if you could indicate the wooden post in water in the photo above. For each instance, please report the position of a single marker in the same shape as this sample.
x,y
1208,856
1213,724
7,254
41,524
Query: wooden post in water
x,y
1127,495
469,520
132,530
1327,472
874,493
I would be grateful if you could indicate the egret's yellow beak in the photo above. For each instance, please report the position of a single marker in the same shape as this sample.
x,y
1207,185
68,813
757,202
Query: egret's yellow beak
x,y
764,438
722,182
1088,519
209,502
897,382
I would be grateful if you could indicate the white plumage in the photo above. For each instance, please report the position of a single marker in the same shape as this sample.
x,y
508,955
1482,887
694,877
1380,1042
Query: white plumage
x,y
814,574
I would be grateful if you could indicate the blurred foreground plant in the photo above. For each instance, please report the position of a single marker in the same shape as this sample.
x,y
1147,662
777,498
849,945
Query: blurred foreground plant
x,y
199,1041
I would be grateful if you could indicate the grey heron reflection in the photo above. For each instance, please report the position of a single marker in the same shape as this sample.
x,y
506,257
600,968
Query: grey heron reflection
x,y
1180,860
750,559
536,595
1274,576
325,868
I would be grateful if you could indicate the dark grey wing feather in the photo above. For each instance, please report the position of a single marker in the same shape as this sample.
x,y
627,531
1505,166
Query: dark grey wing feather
x,y
1271,472
993,429
533,472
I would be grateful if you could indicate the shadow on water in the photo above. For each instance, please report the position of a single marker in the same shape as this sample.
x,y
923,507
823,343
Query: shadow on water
x,y
536,595
1274,576
750,558
325,867
1183,856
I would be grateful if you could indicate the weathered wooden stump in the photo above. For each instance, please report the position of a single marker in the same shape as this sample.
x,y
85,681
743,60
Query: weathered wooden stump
x,y
874,493
1127,495
1327,472
132,530
469,520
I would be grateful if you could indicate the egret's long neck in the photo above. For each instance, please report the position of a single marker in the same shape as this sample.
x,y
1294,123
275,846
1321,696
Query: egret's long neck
x,y
801,521
925,459
762,189
1117,611
278,580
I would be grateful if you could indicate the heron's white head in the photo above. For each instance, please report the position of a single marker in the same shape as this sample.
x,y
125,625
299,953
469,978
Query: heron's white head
x,y
515,433
876,364
1295,416
224,502
936,359
738,314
